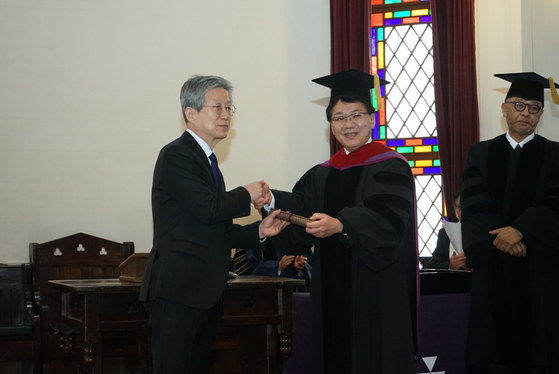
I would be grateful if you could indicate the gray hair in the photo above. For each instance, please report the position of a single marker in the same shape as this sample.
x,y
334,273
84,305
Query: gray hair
x,y
194,90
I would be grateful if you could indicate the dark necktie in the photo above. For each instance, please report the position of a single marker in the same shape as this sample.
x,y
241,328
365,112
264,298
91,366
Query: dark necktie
x,y
217,174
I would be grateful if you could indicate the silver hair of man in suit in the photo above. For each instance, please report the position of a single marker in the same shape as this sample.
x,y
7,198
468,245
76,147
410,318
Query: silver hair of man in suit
x,y
193,91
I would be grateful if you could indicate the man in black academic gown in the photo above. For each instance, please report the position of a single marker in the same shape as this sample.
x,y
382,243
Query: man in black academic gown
x,y
510,222
362,206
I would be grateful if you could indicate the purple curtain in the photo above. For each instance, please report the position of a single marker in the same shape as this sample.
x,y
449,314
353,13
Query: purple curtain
x,y
350,41
456,99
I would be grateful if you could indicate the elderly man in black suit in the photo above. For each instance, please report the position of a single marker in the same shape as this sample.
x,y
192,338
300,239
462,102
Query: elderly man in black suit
x,y
187,269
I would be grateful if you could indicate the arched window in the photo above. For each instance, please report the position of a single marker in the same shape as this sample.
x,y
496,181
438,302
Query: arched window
x,y
402,53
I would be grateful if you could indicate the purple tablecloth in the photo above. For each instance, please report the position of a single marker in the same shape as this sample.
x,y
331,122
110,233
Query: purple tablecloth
x,y
443,322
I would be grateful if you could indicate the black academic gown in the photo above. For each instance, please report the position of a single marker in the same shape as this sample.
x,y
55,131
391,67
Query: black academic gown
x,y
515,300
364,294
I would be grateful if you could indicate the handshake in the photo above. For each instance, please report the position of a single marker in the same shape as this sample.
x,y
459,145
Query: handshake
x,y
260,194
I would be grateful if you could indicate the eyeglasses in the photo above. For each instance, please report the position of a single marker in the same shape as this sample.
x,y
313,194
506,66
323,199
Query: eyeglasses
x,y
230,109
353,117
520,106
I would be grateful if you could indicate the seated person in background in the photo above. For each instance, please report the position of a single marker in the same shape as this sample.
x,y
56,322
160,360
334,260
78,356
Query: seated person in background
x,y
271,262
440,259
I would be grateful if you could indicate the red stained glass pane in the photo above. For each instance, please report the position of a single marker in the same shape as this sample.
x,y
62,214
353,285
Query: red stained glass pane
x,y
410,20
376,19
382,114
414,141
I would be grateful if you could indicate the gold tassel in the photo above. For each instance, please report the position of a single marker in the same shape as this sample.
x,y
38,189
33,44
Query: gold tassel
x,y
553,90
377,93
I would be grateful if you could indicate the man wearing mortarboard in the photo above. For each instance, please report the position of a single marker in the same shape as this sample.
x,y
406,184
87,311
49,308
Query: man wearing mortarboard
x,y
362,206
510,225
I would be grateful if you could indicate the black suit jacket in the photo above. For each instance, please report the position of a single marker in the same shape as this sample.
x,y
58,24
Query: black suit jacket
x,y
440,259
193,229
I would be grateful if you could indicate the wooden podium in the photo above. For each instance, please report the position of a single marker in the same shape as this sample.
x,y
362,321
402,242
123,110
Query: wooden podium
x,y
132,269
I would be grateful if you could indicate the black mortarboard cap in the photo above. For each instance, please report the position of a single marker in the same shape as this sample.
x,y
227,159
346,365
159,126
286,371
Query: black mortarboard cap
x,y
528,86
350,83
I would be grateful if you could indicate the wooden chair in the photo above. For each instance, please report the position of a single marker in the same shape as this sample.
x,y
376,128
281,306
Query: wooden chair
x,y
20,329
79,256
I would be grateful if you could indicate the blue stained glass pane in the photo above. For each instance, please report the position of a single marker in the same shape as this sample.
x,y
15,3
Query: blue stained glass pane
x,y
380,33
396,143
430,141
426,19
392,22
380,73
375,132
435,170
373,41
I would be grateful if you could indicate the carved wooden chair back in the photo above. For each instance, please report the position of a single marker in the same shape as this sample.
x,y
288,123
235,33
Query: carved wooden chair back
x,y
78,256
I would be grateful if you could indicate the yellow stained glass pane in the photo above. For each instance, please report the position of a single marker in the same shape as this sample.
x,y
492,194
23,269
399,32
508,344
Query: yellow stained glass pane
x,y
388,15
423,148
420,12
380,53
424,163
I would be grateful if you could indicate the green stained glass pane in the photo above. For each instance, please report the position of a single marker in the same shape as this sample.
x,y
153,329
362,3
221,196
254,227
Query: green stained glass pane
x,y
380,34
404,149
382,132
412,163
393,1
404,13
436,162
435,148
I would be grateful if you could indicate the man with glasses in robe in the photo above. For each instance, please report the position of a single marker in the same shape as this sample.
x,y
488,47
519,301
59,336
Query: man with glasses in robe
x,y
362,205
510,222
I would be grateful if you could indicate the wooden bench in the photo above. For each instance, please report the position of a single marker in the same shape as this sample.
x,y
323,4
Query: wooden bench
x,y
19,327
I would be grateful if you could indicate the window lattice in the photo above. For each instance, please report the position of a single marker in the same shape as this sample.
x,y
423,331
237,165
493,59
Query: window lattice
x,y
402,53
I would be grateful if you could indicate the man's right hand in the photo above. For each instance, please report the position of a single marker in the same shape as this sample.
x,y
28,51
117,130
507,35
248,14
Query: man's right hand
x,y
457,262
285,262
265,198
256,190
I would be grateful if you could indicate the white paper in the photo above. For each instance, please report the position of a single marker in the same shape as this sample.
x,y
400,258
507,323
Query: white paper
x,y
454,232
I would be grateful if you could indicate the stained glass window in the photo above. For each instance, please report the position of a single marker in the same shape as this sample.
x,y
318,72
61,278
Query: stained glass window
x,y
402,53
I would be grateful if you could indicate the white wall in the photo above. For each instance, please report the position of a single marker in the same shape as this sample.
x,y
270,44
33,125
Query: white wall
x,y
515,36
89,93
